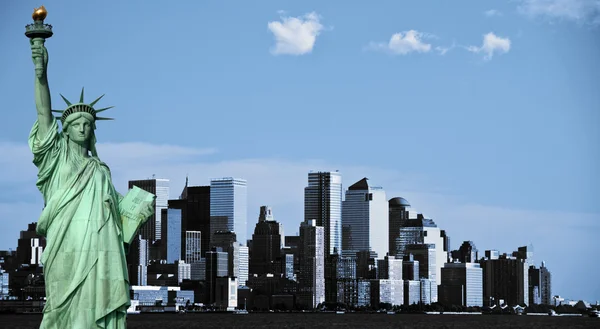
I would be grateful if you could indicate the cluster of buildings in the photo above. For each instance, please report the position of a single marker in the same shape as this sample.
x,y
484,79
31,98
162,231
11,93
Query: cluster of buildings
x,y
354,247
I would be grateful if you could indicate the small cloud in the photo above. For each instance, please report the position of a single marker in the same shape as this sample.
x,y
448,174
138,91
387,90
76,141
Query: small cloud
x,y
492,13
444,50
491,44
295,35
580,11
405,42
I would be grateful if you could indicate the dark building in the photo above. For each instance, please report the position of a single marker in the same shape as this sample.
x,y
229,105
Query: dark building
x,y
216,267
467,253
540,291
398,216
505,279
30,246
410,268
266,243
148,229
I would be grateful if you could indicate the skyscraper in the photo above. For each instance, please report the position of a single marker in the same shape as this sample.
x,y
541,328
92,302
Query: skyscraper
x,y
311,290
365,218
228,206
323,203
160,187
399,213
266,242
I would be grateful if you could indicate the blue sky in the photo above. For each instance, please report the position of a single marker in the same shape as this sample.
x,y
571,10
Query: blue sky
x,y
483,114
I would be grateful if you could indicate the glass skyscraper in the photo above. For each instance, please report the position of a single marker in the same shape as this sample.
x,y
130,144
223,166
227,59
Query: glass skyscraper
x,y
323,203
365,219
173,235
228,201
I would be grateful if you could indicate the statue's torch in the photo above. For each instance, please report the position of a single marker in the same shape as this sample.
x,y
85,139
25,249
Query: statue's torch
x,y
38,32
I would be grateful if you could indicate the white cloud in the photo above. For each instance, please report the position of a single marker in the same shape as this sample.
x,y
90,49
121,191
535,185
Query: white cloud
x,y
492,13
491,44
580,11
295,35
280,183
405,42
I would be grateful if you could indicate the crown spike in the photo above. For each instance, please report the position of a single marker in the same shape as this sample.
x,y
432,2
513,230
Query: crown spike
x,y
100,118
66,100
94,102
57,111
81,97
104,109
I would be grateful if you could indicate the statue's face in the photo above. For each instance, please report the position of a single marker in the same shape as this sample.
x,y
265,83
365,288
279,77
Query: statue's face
x,y
80,130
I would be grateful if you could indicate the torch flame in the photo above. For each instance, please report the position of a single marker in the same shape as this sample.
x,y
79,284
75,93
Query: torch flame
x,y
39,14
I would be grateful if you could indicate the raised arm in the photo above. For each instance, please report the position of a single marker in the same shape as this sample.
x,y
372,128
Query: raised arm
x,y
42,91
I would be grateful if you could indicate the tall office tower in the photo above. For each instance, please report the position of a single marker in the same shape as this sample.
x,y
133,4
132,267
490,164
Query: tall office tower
x,y
311,290
173,235
535,293
398,214
30,246
462,284
505,279
142,267
467,253
159,187
323,203
422,231
228,206
365,220
266,243
244,263
389,268
546,285
197,216
216,267
426,254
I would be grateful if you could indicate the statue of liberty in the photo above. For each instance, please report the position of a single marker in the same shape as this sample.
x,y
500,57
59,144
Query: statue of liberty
x,y
85,268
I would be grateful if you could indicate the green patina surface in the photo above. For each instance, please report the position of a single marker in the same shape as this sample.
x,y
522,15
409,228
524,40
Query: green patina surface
x,y
85,268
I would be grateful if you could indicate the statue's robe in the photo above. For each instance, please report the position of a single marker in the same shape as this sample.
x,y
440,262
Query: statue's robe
x,y
85,268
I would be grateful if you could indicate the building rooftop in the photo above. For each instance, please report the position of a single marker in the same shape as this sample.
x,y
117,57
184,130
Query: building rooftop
x,y
398,201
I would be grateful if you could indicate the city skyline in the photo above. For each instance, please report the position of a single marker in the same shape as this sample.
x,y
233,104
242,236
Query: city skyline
x,y
500,151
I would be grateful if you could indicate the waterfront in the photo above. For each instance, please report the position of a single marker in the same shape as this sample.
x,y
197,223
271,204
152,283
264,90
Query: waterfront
x,y
321,320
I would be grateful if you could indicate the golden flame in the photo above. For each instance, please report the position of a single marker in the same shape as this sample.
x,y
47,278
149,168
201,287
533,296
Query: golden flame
x,y
39,14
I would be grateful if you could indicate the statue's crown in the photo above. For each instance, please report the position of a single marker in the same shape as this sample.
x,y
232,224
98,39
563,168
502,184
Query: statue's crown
x,y
81,107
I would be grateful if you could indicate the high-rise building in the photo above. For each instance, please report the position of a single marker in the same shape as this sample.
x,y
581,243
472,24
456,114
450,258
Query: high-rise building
x,y
30,246
323,203
228,206
546,284
462,284
151,230
410,268
365,220
173,235
311,290
505,279
266,242
399,213
422,230
216,267
426,254
540,291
